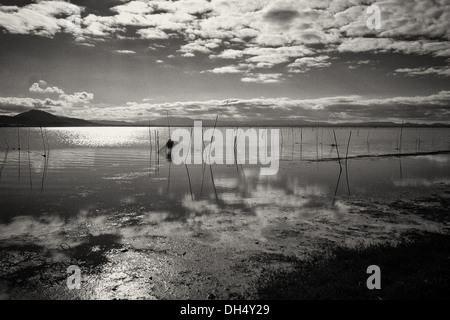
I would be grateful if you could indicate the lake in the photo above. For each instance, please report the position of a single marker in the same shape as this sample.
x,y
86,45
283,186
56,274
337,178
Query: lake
x,y
103,188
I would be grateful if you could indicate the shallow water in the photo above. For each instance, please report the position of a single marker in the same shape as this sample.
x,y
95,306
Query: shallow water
x,y
109,168
101,198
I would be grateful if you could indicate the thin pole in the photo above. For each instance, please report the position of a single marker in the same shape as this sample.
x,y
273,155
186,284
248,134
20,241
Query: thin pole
x,y
28,143
348,144
187,170
6,140
400,143
346,159
337,149
18,138
43,142
46,138
168,122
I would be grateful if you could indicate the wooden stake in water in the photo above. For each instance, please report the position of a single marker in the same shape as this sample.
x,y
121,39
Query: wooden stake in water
x,y
400,143
346,160
348,144
293,143
18,138
187,170
340,168
168,121
43,142
4,136
150,142
28,142
157,141
46,139
209,157
337,149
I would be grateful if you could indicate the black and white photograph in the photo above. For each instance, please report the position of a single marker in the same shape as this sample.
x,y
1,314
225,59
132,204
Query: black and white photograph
x,y
233,151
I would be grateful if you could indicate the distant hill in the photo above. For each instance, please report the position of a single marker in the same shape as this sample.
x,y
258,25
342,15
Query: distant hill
x,y
36,117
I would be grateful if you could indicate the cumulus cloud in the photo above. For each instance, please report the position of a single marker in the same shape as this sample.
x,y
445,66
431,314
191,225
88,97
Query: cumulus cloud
x,y
152,33
227,69
261,34
42,87
301,65
263,77
45,18
351,108
65,104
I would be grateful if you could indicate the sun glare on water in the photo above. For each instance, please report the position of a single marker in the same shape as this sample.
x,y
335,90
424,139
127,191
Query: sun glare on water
x,y
105,136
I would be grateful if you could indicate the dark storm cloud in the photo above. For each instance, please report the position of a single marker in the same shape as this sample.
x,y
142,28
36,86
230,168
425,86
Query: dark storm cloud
x,y
98,7
281,15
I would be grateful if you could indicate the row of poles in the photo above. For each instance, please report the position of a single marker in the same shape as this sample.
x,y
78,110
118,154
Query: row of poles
x,y
46,148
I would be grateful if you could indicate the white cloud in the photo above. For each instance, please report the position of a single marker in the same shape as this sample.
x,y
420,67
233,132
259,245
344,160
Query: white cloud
x,y
301,65
440,71
42,87
226,69
45,18
257,33
65,104
352,108
263,78
152,33
125,51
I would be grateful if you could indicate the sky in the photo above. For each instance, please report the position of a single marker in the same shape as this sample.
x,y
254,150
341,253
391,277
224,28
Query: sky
x,y
317,60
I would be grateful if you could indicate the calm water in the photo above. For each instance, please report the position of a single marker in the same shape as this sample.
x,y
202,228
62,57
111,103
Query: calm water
x,y
113,170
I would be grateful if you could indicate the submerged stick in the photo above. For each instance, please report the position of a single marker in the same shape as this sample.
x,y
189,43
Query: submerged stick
x,y
337,186
29,162
187,170
301,143
400,142
168,121
43,142
3,164
28,141
209,156
18,138
46,138
340,168
293,144
337,149
18,178
348,144
212,136
203,166
4,136
346,160
214,185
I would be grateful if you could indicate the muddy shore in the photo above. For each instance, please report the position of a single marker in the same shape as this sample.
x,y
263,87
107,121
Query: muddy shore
x,y
128,255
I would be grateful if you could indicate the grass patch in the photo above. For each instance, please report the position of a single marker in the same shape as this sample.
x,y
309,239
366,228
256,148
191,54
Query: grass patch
x,y
414,269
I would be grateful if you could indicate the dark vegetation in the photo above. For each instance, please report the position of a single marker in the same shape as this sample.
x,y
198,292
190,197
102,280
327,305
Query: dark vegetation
x,y
412,269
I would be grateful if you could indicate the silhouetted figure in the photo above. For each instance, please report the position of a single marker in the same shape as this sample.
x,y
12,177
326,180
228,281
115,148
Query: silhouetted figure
x,y
169,146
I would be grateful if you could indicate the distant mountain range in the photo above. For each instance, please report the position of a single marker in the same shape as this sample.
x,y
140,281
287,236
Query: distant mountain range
x,y
35,118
